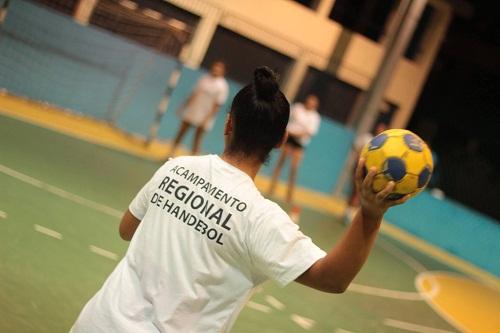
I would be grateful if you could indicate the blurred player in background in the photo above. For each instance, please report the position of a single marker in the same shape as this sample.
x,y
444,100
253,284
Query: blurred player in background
x,y
304,123
201,107
3,10
357,147
196,254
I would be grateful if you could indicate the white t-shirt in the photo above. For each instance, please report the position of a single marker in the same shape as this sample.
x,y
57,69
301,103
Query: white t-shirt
x,y
209,90
302,120
207,237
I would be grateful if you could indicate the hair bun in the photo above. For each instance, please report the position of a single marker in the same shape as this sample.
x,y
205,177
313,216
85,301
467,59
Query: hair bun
x,y
266,83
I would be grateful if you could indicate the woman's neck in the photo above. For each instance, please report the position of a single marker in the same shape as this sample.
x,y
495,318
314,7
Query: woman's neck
x,y
249,166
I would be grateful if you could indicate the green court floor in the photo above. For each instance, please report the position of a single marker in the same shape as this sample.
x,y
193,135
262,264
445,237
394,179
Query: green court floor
x,y
60,202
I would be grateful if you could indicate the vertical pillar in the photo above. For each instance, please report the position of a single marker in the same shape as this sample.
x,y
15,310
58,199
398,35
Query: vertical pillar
x,y
408,15
84,10
295,76
390,25
431,44
202,37
325,7
409,18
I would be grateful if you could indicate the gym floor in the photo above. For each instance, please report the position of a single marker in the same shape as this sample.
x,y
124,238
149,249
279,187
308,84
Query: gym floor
x,y
61,199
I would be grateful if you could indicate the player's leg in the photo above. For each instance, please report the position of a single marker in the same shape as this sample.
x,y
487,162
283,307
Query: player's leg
x,y
296,158
183,128
277,169
352,201
198,136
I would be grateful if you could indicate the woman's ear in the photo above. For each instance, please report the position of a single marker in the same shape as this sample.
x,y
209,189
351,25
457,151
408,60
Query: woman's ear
x,y
282,141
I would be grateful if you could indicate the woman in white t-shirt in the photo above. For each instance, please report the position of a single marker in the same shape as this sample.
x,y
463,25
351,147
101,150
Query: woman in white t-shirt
x,y
201,107
303,124
202,235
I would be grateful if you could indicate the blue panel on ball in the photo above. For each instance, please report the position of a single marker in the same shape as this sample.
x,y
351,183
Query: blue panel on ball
x,y
424,177
413,142
377,141
395,168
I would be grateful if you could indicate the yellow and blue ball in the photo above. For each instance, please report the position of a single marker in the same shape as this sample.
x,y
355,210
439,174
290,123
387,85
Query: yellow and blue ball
x,y
401,156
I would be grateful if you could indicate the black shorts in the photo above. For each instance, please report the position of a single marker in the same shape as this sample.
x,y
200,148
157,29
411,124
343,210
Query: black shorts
x,y
294,142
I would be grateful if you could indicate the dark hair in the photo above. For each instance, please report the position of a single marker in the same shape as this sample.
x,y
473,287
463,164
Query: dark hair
x,y
260,114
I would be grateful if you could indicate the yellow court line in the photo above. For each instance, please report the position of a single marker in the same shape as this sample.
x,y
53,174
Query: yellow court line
x,y
464,303
101,133
82,127
306,198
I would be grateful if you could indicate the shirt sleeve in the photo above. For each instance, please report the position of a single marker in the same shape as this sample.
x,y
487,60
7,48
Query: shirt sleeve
x,y
222,94
279,250
139,205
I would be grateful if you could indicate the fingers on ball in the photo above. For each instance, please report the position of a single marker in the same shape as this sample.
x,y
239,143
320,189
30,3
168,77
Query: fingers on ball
x,y
368,181
382,195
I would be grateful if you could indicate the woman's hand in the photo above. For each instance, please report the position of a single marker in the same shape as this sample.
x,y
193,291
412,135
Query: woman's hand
x,y
374,204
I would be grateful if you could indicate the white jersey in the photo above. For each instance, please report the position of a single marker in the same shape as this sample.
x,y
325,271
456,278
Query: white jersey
x,y
303,121
207,237
209,90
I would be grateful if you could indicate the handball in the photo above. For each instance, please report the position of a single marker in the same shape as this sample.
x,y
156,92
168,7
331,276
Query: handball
x,y
402,157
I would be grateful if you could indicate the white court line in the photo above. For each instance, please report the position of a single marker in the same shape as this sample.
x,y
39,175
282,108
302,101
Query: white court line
x,y
403,256
103,252
428,297
60,192
3,215
413,263
419,284
274,302
395,294
48,232
303,322
387,293
341,330
413,327
258,307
